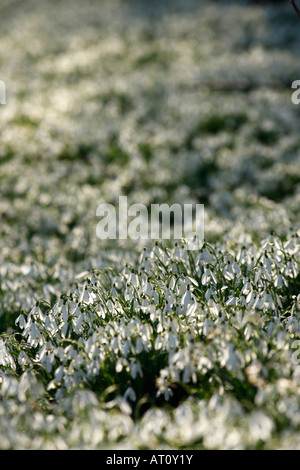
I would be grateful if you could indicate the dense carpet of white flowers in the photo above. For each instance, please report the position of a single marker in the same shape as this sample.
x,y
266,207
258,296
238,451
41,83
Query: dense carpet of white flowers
x,y
118,345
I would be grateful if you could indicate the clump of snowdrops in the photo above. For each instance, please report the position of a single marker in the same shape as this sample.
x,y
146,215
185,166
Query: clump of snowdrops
x,y
186,348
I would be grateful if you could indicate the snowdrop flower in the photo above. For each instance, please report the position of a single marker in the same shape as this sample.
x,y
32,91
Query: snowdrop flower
x,y
130,394
135,369
187,299
86,296
229,358
6,358
260,426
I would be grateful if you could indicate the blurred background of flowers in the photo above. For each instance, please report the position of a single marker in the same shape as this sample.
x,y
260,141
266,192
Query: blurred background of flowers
x,y
161,101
